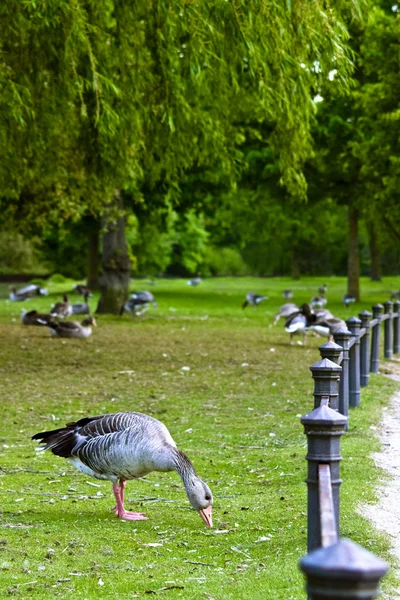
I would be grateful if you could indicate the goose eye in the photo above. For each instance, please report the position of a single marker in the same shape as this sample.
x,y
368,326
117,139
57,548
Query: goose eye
x,y
208,497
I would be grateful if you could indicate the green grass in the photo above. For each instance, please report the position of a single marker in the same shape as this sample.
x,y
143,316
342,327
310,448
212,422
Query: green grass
x,y
235,413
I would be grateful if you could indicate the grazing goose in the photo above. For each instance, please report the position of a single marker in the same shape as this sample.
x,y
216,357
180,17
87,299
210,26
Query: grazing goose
x,y
71,329
81,308
327,327
348,299
287,294
82,290
323,289
195,281
299,321
138,303
32,317
62,309
253,299
318,302
286,310
124,446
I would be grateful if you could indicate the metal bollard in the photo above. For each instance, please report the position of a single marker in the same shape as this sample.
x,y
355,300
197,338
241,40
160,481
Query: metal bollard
x,y
342,337
343,571
377,311
396,328
323,428
326,377
365,317
389,329
354,325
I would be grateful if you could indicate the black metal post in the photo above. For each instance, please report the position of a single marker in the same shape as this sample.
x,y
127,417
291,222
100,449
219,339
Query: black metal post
x,y
331,351
377,311
354,325
365,317
323,428
343,571
396,327
389,329
326,378
342,337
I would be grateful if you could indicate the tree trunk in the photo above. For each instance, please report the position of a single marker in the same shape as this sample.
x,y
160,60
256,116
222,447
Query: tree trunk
x,y
114,281
376,274
353,265
93,264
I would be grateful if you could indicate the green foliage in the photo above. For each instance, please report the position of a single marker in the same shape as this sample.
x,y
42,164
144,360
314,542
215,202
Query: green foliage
x,y
18,255
224,262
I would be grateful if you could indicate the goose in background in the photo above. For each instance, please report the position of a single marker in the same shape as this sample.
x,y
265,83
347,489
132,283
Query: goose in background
x,y
322,289
138,303
193,282
32,317
253,299
71,329
81,308
348,299
124,446
82,290
29,291
328,327
62,309
287,294
318,302
285,311
298,322
395,296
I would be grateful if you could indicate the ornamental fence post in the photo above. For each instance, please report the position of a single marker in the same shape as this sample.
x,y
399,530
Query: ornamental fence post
x,y
389,329
354,325
365,317
396,327
377,311
326,382
342,337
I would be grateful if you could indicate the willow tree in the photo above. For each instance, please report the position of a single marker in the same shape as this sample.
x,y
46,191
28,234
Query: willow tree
x,y
103,95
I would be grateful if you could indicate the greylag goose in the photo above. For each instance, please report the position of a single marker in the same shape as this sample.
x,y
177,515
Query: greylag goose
x,y
253,299
124,446
328,327
395,295
29,291
82,290
286,310
287,294
62,309
348,299
299,321
32,317
195,281
318,302
323,289
71,329
138,303
81,308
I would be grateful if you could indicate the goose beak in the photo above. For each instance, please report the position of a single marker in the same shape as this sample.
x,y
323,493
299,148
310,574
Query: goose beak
x,y
206,515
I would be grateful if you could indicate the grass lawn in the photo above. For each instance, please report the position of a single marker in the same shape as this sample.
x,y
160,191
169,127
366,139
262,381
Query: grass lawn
x,y
236,414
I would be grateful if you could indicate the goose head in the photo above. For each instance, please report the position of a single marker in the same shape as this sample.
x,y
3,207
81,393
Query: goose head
x,y
200,497
89,321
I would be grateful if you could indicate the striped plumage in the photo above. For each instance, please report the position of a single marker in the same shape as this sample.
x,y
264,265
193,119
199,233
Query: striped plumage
x,y
286,310
62,309
124,446
71,329
32,317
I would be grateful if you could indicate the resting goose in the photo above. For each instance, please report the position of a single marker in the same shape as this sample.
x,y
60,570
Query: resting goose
x,y
32,317
62,309
81,308
82,290
323,289
348,299
124,446
286,310
71,329
138,303
287,294
26,292
253,299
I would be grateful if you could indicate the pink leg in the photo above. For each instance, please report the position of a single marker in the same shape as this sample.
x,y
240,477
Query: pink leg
x,y
122,486
120,511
